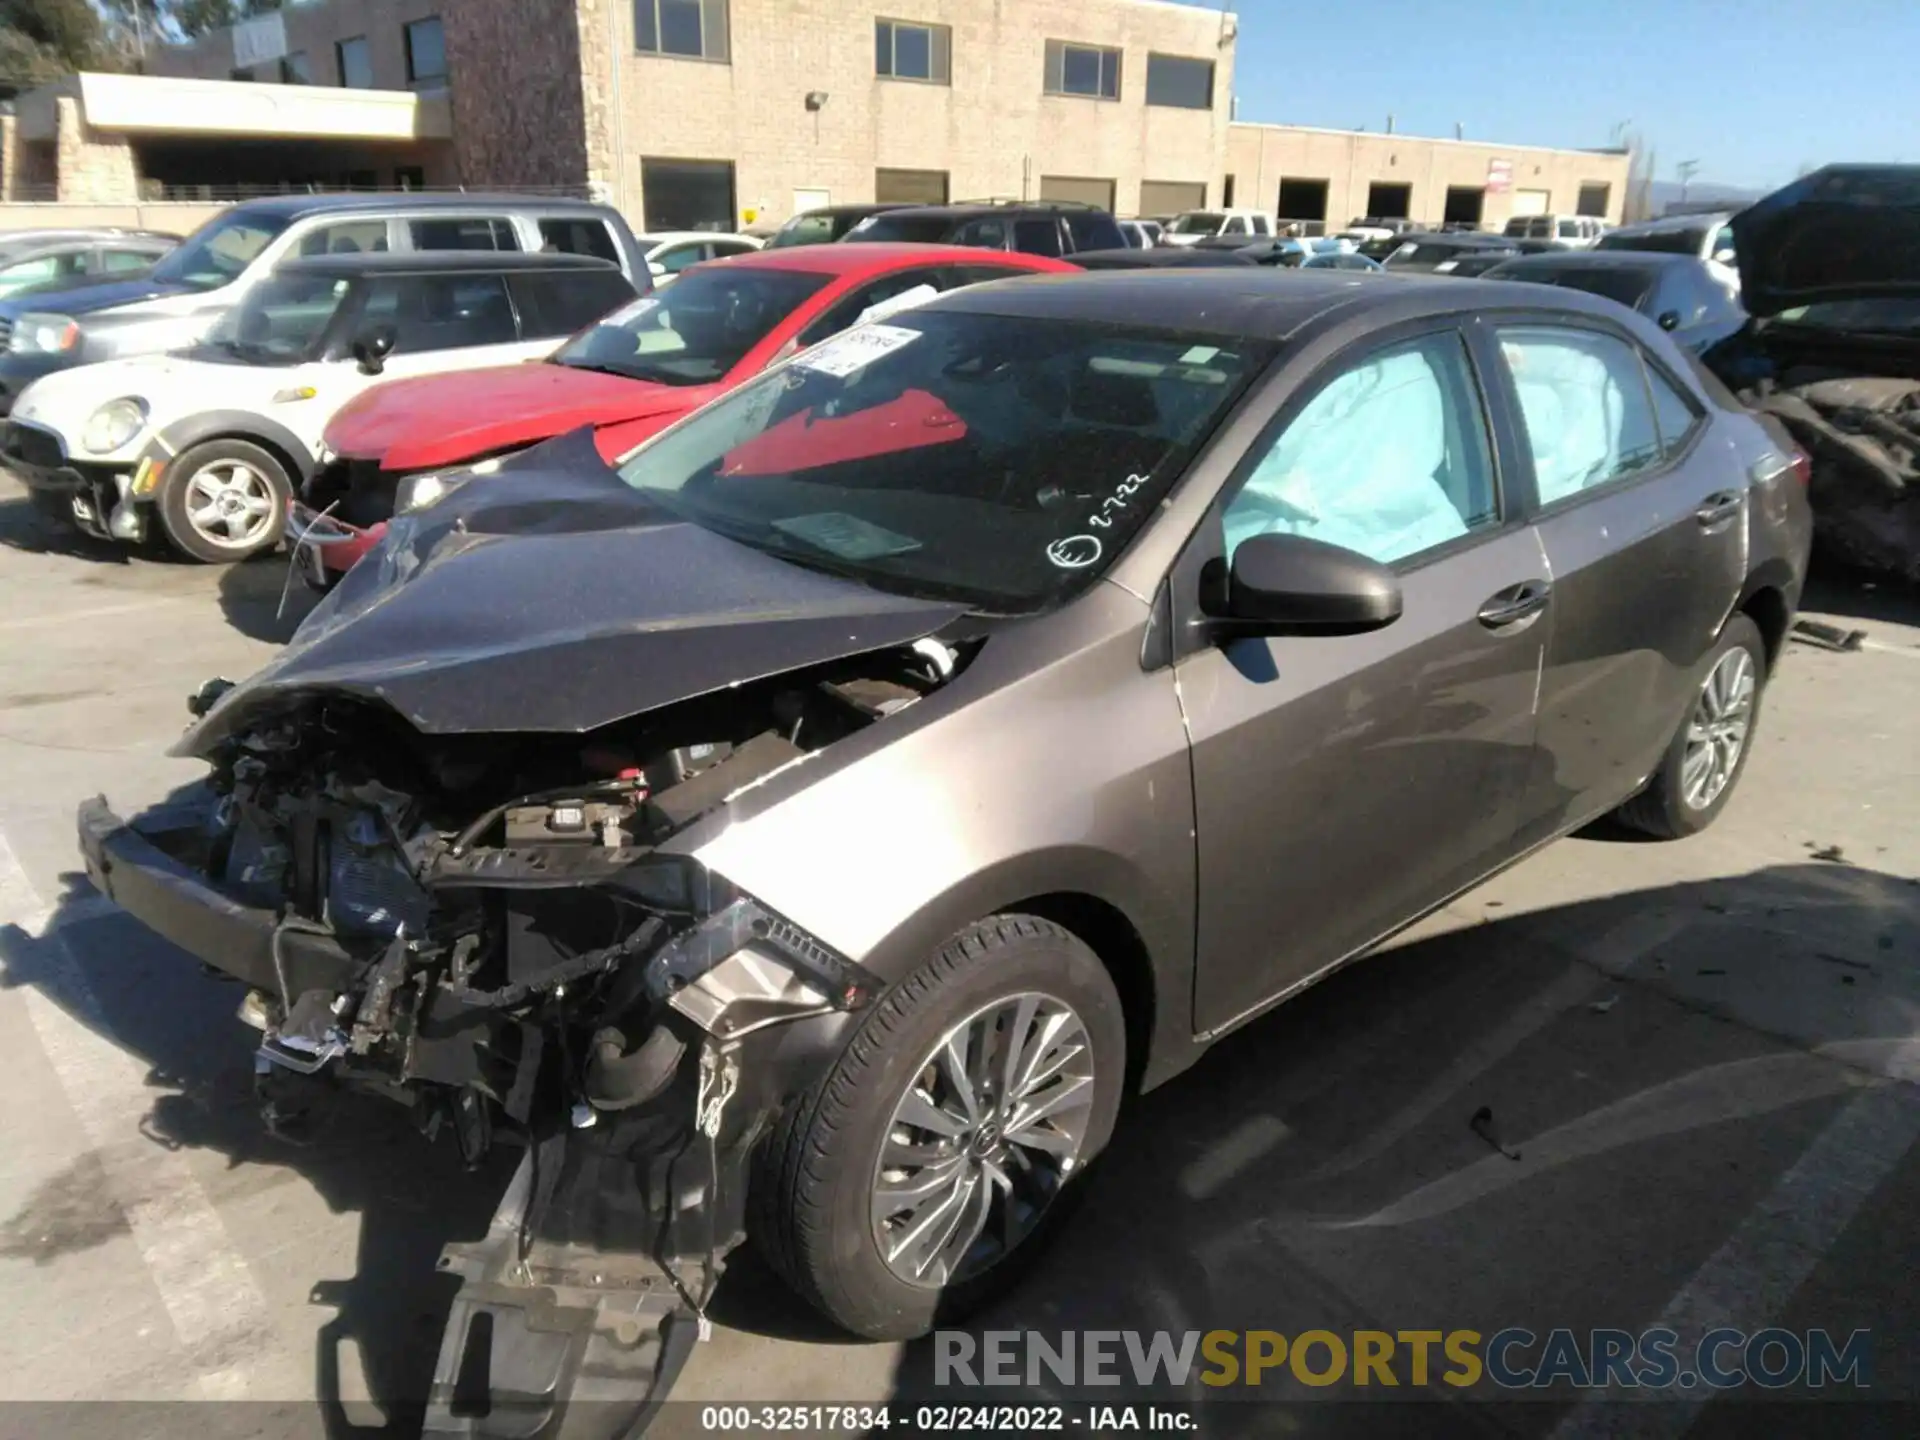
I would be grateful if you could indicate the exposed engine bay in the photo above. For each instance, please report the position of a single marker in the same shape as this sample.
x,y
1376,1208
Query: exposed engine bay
x,y
484,928
1862,433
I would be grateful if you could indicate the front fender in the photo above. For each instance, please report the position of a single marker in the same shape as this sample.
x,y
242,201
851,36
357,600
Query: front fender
x,y
236,425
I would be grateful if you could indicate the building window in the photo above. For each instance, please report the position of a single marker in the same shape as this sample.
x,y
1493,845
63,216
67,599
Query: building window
x,y
356,63
295,69
240,72
911,52
1593,198
1302,199
1082,70
696,29
1226,192
409,177
1180,82
426,52
688,194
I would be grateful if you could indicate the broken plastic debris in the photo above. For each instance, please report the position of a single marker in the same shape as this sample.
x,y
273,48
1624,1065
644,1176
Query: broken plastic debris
x,y
1482,1125
1601,1007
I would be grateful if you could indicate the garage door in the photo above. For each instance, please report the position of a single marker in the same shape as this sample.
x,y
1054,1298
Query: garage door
x,y
1084,189
1170,197
910,187
1531,202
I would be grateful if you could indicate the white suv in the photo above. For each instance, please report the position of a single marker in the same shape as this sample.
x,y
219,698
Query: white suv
x,y
212,440
1567,232
1190,227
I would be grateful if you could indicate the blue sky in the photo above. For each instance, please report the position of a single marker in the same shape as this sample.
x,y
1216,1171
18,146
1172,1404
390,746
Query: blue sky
x,y
1752,91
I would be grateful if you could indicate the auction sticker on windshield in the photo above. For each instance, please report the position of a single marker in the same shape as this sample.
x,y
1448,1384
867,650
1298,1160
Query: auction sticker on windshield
x,y
856,349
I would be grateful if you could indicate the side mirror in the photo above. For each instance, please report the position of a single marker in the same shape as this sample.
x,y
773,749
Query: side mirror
x,y
1723,257
372,346
656,269
1669,320
1292,585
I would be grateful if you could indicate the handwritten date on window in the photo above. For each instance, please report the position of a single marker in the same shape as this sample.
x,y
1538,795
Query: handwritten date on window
x,y
1117,501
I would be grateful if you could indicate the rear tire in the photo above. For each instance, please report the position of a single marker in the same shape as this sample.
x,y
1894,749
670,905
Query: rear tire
x,y
832,1221
224,501
1709,751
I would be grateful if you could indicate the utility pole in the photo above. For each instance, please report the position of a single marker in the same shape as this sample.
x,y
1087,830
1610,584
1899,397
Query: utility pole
x,y
1684,169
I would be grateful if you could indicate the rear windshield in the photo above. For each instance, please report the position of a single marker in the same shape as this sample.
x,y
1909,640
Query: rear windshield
x,y
914,229
1001,461
1659,242
694,330
803,230
1628,287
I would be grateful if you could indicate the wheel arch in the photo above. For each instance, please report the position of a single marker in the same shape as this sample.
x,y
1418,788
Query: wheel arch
x,y
1765,603
254,429
1145,945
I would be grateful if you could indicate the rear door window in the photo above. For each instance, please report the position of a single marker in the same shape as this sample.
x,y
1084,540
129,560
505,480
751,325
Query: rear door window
x,y
558,304
1094,230
983,235
126,262
1037,236
463,233
1584,401
578,237
442,312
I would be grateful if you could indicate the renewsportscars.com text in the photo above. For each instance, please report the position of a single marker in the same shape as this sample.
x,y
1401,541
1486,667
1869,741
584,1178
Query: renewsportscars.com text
x,y
1515,1358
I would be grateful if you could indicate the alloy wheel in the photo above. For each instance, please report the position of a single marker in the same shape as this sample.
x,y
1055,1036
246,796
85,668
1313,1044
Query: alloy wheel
x,y
229,504
1717,732
990,1128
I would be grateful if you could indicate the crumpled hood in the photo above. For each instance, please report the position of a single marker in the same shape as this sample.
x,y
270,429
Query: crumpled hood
x,y
85,299
431,420
552,597
1847,232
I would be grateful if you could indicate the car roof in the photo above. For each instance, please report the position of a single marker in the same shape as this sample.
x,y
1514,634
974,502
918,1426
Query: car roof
x,y
438,262
1251,301
1467,239
966,210
872,255
295,207
869,207
1666,224
1601,260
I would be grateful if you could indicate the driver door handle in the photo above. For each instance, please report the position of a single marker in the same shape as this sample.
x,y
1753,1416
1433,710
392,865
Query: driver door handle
x,y
1719,506
1515,603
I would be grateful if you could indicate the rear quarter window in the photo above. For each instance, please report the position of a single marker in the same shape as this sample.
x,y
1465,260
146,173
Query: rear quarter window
x,y
463,233
579,237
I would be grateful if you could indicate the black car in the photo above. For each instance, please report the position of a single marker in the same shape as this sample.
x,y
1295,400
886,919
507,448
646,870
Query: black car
x,y
1039,228
36,261
1830,274
1160,258
1434,253
1473,262
1677,292
828,223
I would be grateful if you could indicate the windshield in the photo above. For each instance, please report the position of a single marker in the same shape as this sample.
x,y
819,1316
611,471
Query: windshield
x,y
1000,461
1197,222
281,322
216,253
806,229
913,229
695,330
1659,242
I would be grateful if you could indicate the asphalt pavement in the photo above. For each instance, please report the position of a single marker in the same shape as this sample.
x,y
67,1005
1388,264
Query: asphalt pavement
x,y
1694,1067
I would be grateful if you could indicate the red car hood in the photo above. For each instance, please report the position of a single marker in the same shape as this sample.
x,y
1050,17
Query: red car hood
x,y
431,420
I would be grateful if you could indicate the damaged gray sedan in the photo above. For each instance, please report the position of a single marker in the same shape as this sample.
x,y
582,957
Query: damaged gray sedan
x,y
813,829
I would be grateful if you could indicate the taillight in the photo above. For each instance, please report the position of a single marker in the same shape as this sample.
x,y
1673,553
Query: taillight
x,y
1802,467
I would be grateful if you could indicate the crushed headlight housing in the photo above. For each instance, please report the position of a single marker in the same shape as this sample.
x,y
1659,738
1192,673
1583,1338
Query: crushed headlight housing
x,y
42,333
417,492
744,967
113,425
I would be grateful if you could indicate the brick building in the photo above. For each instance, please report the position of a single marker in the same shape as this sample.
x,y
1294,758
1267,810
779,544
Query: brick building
x,y
718,113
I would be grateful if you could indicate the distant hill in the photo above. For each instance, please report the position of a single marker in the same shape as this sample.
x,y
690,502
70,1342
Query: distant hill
x,y
1662,193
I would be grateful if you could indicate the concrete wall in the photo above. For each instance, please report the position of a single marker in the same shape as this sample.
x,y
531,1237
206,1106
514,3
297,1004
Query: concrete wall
x,y
314,30
1260,156
93,167
176,219
992,129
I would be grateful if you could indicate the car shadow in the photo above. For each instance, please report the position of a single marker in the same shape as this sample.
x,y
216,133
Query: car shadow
x,y
26,529
1835,589
1520,1122
262,600
1341,1164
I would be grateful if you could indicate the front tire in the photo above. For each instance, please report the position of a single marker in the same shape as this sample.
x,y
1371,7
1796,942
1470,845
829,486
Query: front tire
x,y
224,501
932,1163
1709,751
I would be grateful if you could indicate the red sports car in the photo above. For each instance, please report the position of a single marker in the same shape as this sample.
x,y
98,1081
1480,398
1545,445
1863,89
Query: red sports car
x,y
632,374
